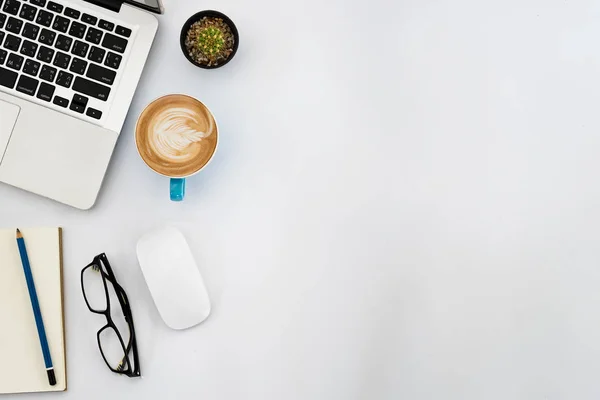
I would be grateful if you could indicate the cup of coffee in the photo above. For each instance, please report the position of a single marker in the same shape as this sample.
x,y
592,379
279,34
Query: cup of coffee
x,y
176,135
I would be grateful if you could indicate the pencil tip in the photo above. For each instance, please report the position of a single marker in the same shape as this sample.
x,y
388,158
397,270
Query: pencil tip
x,y
19,235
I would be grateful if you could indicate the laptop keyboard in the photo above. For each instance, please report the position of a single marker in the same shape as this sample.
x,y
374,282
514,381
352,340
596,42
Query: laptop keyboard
x,y
60,56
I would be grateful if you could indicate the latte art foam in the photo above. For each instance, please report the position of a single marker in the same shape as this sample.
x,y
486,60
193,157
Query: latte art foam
x,y
176,135
174,131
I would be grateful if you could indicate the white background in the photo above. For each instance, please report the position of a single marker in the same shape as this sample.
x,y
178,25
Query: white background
x,y
404,205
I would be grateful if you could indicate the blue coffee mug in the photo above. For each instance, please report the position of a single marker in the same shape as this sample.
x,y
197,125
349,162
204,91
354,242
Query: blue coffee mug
x,y
177,184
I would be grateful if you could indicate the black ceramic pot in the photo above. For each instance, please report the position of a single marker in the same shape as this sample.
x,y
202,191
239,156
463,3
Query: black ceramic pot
x,y
197,17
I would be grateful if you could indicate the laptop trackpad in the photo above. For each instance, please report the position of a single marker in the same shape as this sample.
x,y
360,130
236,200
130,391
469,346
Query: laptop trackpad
x,y
8,116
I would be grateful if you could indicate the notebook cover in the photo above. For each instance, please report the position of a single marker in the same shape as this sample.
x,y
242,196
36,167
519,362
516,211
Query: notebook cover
x,y
22,368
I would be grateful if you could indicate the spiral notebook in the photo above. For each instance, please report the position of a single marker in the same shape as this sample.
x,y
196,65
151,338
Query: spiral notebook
x,y
22,364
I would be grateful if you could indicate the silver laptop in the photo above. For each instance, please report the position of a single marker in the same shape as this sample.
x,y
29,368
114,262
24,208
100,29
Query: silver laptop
x,y
68,72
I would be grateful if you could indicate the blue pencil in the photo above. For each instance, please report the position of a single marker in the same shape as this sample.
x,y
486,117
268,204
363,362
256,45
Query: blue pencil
x,y
35,305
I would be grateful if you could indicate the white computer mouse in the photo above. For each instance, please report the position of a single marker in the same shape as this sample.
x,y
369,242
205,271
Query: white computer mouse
x,y
173,278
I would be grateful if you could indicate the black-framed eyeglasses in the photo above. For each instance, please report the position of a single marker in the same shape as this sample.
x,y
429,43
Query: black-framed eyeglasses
x,y
103,295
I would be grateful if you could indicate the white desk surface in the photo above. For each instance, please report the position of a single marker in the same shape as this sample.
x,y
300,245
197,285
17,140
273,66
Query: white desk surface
x,y
405,205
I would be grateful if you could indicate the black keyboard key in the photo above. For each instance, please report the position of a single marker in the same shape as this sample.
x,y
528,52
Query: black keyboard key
x,y
8,78
12,42
1,36
63,42
44,18
115,43
61,23
31,31
55,7
77,107
3,54
101,74
28,12
47,37
46,91
78,103
77,29
64,79
47,73
27,85
29,48
109,26
113,60
11,7
92,112
14,25
14,61
121,30
61,101
94,35
78,66
89,19
2,20
31,67
45,54
80,48
40,3
62,60
90,88
71,13
79,99
97,54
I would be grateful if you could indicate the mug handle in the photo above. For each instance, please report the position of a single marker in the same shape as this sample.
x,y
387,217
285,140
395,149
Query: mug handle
x,y
177,189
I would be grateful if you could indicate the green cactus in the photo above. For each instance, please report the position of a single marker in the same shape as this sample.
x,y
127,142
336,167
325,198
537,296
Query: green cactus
x,y
211,41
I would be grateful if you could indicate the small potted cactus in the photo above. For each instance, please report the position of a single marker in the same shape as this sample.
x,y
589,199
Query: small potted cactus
x,y
209,39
